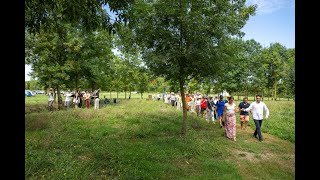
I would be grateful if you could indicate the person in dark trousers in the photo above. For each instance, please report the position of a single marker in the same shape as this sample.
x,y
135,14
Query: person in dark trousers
x,y
80,99
51,99
210,110
257,108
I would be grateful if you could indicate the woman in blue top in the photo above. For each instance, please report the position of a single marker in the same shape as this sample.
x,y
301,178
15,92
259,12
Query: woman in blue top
x,y
220,107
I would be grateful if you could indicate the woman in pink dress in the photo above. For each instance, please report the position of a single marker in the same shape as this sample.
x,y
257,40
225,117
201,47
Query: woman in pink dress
x,y
229,114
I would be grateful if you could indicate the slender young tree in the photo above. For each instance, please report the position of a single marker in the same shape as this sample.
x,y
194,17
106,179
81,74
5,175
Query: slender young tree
x,y
180,39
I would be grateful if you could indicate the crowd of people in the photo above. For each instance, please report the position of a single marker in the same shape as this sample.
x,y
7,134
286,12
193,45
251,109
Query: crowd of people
x,y
77,99
223,111
212,109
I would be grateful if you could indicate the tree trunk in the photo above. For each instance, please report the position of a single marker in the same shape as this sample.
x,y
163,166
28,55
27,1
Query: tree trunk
x,y
141,95
59,99
110,93
275,90
130,94
117,94
125,94
268,93
184,108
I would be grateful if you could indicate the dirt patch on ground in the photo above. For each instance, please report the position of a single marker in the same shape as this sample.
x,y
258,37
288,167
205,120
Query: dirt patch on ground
x,y
246,155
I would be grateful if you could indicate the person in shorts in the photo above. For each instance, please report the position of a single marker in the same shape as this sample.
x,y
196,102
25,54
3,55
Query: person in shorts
x,y
244,115
203,105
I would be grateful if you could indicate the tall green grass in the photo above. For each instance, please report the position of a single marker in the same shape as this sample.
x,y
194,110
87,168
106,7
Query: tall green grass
x,y
139,139
280,123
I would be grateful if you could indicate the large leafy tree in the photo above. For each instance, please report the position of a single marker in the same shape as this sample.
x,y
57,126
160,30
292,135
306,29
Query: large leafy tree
x,y
241,70
88,56
46,53
275,59
180,39
78,59
142,81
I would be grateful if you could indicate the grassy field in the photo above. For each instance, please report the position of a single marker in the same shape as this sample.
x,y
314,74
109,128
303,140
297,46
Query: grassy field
x,y
139,139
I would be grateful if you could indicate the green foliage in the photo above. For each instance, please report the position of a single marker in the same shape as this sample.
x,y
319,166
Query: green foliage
x,y
242,68
76,57
180,40
276,62
87,14
33,85
142,81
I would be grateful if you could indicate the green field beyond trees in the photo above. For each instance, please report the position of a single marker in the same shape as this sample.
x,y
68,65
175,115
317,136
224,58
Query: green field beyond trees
x,y
140,139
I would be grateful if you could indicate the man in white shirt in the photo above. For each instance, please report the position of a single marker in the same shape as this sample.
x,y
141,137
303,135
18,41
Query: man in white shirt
x,y
257,108
96,99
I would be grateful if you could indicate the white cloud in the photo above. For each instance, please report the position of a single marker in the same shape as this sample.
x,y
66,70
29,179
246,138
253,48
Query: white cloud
x,y
269,6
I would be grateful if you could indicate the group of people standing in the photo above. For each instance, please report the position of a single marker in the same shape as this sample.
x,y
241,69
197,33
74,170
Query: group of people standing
x,y
77,98
223,110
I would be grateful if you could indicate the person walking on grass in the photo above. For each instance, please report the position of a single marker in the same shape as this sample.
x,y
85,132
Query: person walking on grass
x,y
96,99
210,110
76,99
51,99
215,100
220,108
67,100
87,98
257,108
81,99
198,103
173,99
229,114
178,97
203,106
191,104
244,115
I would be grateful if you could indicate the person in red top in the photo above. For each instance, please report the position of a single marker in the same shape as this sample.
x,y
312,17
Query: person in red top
x,y
203,105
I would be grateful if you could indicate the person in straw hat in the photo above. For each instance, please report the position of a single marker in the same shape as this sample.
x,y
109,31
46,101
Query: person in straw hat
x,y
51,99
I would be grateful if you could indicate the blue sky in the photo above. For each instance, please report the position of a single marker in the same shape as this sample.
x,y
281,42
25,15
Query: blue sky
x,y
274,22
